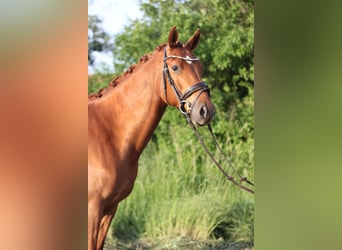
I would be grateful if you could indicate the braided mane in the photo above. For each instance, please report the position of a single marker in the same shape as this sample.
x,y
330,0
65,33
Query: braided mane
x,y
117,80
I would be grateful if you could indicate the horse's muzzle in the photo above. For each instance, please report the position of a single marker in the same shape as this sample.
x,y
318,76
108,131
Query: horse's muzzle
x,y
202,113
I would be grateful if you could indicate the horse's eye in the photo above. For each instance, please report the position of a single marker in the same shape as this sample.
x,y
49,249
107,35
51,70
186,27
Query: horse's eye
x,y
175,68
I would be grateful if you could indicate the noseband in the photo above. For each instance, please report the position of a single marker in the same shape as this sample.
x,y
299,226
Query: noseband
x,y
182,97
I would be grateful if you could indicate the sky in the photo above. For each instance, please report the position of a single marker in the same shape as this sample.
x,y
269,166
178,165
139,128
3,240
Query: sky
x,y
114,15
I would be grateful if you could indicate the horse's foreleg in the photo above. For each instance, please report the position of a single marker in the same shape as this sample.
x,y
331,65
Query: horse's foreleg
x,y
94,218
104,226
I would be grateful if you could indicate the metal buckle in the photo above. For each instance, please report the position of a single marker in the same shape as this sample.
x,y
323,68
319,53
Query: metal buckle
x,y
182,108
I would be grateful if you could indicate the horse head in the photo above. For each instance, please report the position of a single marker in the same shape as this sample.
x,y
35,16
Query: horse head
x,y
183,87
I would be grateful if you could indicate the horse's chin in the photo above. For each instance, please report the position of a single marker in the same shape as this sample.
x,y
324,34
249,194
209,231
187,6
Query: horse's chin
x,y
201,122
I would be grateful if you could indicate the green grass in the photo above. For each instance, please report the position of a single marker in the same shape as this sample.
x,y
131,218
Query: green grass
x,y
179,243
180,194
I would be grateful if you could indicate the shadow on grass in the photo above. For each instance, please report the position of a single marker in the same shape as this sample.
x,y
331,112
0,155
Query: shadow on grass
x,y
237,225
235,232
126,230
180,243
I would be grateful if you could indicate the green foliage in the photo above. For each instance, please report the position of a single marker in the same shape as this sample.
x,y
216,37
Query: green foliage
x,y
227,41
179,192
98,39
97,81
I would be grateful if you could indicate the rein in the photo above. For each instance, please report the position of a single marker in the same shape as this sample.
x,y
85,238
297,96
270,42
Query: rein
x,y
182,99
229,177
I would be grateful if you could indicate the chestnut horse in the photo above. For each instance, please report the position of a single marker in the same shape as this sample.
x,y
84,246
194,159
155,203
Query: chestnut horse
x,y
123,116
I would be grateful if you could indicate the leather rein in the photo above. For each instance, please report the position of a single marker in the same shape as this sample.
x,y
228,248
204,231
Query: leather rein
x,y
182,99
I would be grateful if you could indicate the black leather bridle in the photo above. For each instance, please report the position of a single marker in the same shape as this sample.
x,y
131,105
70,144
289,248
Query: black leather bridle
x,y
199,87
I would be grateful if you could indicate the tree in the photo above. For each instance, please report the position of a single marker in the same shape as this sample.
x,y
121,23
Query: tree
x,y
226,50
98,39
227,42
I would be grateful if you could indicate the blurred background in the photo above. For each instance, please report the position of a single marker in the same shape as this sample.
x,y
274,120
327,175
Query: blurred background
x,y
43,128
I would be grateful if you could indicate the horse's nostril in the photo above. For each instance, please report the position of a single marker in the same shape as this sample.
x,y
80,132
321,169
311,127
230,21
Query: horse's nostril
x,y
203,111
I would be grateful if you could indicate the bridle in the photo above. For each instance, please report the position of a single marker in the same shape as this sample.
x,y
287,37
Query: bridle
x,y
199,87
182,99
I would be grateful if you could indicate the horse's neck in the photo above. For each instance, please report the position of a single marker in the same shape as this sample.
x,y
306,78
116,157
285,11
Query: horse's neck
x,y
134,108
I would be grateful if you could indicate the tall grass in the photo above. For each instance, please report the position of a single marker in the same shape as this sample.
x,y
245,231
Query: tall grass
x,y
180,193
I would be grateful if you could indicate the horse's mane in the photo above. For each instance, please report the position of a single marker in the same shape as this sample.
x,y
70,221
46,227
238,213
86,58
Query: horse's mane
x,y
117,80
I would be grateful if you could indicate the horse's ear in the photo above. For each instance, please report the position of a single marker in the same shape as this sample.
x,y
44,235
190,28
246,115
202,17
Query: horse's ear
x,y
193,41
173,37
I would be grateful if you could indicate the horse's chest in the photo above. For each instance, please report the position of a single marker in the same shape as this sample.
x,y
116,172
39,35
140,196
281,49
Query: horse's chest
x,y
123,181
